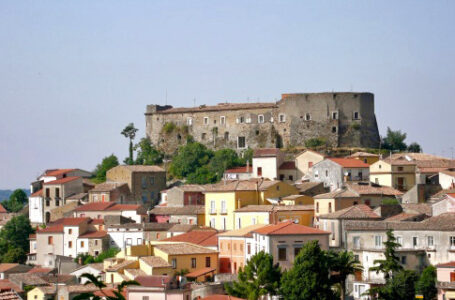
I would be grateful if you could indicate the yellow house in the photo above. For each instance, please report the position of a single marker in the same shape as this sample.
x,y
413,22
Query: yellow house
x,y
222,199
273,214
305,161
42,293
368,158
397,173
297,200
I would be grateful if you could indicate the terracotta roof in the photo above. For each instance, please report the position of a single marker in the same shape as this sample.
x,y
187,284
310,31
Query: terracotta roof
x,y
123,207
288,165
198,237
155,261
338,193
190,188
32,236
78,196
3,210
241,185
368,188
109,292
182,228
417,156
449,172
184,210
153,280
27,279
107,186
350,163
270,208
403,217
57,172
139,168
266,152
219,107
397,162
6,284
242,232
288,228
6,266
183,248
95,206
243,169
450,264
40,270
221,297
62,180
37,193
122,265
81,288
96,266
360,211
135,272
364,154
421,208
94,234
9,294
305,186
200,272
97,221
58,225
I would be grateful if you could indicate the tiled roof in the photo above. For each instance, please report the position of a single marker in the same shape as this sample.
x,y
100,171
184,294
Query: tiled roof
x,y
219,107
6,284
97,221
403,217
184,210
190,188
363,154
418,156
292,197
266,152
37,193
135,272
270,208
200,272
94,234
305,186
241,185
199,237
450,264
288,165
183,248
155,261
27,279
58,225
9,295
242,232
57,172
123,207
81,288
153,280
449,172
139,168
360,211
243,169
288,228
6,266
122,265
350,162
3,210
107,186
363,188
422,208
78,196
338,193
95,206
96,266
221,297
40,270
182,228
62,180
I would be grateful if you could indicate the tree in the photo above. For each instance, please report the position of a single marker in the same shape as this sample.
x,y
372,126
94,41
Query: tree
x,y
107,163
414,148
189,158
394,140
86,258
391,263
16,201
130,132
260,277
309,278
97,282
222,160
202,176
343,263
14,242
426,285
315,142
147,154
401,286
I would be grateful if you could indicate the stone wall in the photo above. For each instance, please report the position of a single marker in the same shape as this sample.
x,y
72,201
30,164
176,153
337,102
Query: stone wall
x,y
341,119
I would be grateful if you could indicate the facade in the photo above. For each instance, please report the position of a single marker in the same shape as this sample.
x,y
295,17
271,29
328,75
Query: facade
x,y
110,192
96,269
144,182
266,163
158,288
190,214
368,158
334,172
397,173
239,173
446,280
342,119
447,179
99,210
188,194
305,161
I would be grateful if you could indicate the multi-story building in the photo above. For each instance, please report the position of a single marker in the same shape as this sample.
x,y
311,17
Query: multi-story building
x,y
190,214
144,182
110,192
183,195
99,210
397,173
305,162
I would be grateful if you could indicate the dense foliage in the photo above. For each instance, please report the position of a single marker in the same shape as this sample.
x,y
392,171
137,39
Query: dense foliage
x,y
108,163
315,142
86,258
17,200
147,154
395,141
426,285
14,243
97,282
391,263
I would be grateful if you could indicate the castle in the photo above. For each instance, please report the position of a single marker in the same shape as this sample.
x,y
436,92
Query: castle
x,y
345,119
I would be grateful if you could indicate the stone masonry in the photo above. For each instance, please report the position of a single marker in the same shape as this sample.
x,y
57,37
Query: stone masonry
x,y
341,119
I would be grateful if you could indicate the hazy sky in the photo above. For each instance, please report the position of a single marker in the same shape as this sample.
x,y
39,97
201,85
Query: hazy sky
x,y
74,73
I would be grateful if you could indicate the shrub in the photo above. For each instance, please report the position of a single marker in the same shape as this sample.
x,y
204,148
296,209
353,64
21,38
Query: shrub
x,y
169,127
314,142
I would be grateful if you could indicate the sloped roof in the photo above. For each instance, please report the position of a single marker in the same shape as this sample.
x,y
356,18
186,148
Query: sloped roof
x,y
155,261
199,237
266,152
190,188
6,284
359,211
288,165
270,208
58,225
305,186
420,208
369,188
363,154
95,206
94,234
243,169
122,265
349,162
338,193
200,272
63,180
37,193
450,264
289,228
242,232
183,249
58,172
241,185
107,186
7,266
153,280
184,210
404,217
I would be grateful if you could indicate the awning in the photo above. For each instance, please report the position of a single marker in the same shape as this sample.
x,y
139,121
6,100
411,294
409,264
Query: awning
x,y
200,272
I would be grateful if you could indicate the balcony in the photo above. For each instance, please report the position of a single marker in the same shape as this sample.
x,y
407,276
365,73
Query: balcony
x,y
212,211
223,211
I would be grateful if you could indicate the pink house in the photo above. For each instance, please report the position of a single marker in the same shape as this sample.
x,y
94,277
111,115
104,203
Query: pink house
x,y
446,281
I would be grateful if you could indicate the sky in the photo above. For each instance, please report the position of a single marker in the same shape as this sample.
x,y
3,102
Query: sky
x,y
73,74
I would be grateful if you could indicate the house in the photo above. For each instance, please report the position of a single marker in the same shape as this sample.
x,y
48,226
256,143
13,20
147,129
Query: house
x,y
445,273
96,269
444,205
285,240
397,173
335,222
311,188
273,214
68,292
353,193
183,195
189,214
223,198
98,210
304,162
334,172
144,182
118,192
235,248
239,173
297,200
11,268
206,238
447,178
158,287
10,290
288,172
368,158
266,163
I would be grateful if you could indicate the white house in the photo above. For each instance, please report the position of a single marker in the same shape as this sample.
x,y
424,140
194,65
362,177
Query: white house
x,y
95,269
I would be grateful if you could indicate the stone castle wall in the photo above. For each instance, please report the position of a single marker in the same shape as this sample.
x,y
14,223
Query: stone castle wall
x,y
342,119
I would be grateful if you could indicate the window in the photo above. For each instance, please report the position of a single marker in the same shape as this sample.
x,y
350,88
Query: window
x,y
356,242
203,136
144,182
400,168
253,221
333,230
189,121
50,240
82,244
70,231
248,120
297,250
152,180
145,298
400,240
152,195
335,115
334,129
239,223
223,206
241,120
260,118
330,207
57,192
403,260
356,115
144,197
248,248
317,207
193,262
307,117
415,241
207,262
129,241
259,171
241,142
282,254
326,173
212,207
291,177
367,202
174,263
96,242
376,180
139,241
226,136
452,241
378,241
48,192
282,118
430,241
224,223
222,120
452,276
212,223
281,177
70,244
206,120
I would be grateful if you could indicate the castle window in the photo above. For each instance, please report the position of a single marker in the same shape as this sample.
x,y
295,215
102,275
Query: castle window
x,y
222,120
334,129
206,120
241,142
307,117
248,120
282,118
203,136
356,115
335,115
241,120
226,136
189,121
260,118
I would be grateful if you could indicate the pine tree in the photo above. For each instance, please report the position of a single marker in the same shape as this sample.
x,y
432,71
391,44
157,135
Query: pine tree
x,y
391,263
